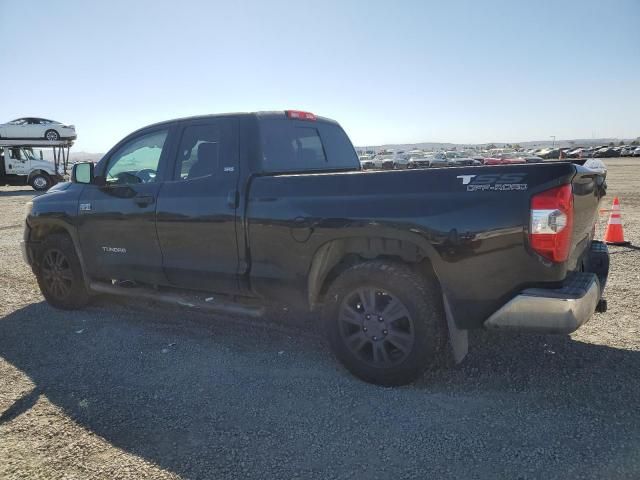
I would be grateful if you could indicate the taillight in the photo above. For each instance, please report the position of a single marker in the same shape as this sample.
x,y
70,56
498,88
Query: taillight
x,y
300,115
552,223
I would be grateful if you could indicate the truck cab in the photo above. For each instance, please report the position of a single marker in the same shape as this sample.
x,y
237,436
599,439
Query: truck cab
x,y
19,166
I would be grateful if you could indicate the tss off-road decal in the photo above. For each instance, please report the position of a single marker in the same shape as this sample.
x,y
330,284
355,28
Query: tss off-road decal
x,y
494,182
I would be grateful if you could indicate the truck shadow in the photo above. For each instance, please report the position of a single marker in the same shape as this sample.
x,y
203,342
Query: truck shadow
x,y
551,365
19,193
625,249
191,395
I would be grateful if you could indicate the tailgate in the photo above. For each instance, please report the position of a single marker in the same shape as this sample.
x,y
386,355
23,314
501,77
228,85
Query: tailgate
x,y
589,186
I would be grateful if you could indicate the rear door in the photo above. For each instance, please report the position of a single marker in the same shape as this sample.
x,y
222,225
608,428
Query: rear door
x,y
196,212
117,227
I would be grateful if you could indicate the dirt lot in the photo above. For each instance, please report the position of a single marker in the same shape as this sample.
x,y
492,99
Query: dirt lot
x,y
128,390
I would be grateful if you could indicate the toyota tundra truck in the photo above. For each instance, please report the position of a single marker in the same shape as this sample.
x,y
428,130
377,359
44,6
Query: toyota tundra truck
x,y
235,212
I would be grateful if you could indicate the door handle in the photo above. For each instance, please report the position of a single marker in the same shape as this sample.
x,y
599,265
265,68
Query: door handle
x,y
144,200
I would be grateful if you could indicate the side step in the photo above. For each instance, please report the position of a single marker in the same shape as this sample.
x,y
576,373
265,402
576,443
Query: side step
x,y
200,301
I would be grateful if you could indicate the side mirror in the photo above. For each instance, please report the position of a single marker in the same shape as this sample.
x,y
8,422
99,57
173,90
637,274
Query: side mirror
x,y
82,173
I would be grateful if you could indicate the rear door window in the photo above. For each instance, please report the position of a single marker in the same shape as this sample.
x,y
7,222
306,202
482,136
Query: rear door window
x,y
206,150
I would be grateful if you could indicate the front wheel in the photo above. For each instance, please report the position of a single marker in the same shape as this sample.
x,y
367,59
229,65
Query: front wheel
x,y
59,273
41,182
385,322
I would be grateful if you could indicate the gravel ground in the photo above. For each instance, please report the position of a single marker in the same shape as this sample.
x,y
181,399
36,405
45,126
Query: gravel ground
x,y
132,390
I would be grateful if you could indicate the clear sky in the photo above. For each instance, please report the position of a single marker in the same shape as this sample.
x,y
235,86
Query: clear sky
x,y
388,71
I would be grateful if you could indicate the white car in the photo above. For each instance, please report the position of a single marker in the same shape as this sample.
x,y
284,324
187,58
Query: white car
x,y
37,128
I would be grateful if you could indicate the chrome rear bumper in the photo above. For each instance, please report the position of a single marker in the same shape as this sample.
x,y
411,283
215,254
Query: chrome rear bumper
x,y
561,310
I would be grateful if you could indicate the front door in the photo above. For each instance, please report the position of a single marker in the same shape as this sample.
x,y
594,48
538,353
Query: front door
x,y
196,213
17,163
117,225
14,129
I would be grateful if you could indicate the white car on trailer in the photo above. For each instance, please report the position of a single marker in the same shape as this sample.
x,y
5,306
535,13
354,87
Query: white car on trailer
x,y
37,128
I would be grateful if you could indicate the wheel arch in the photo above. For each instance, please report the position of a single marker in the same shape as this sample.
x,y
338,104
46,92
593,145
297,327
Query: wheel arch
x,y
37,171
52,130
39,231
335,256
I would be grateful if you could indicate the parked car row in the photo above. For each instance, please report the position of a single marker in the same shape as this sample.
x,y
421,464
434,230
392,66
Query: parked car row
x,y
400,159
599,151
620,151
387,160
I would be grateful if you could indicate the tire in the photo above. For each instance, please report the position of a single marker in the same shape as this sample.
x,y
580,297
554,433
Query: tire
x,y
51,135
41,182
59,273
391,351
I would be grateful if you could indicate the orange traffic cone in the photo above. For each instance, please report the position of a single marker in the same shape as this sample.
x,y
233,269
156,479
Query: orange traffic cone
x,y
614,235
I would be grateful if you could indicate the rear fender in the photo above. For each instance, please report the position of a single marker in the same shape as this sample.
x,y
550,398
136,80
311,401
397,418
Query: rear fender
x,y
332,253
335,256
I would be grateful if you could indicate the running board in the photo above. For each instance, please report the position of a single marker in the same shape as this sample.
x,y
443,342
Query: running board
x,y
201,301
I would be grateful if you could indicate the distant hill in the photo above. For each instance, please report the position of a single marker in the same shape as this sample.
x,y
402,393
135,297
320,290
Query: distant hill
x,y
531,144
47,154
84,156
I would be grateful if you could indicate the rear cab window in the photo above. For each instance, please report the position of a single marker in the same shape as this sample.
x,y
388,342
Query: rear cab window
x,y
290,145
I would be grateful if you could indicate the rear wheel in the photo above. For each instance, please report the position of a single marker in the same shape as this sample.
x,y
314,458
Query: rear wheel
x,y
51,135
59,273
385,322
40,182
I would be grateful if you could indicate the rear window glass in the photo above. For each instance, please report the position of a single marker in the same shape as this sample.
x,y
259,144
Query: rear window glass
x,y
307,146
290,145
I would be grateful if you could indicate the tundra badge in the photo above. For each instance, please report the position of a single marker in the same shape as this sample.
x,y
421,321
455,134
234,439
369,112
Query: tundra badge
x,y
114,250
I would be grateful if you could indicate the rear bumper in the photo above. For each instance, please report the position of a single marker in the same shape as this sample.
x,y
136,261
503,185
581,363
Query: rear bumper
x,y
561,310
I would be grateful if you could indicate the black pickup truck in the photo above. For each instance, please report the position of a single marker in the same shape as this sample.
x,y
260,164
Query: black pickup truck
x,y
273,207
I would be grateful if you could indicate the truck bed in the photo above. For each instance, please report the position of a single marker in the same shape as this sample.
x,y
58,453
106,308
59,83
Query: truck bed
x,y
470,223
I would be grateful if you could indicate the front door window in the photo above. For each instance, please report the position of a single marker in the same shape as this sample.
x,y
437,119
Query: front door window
x,y
137,161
